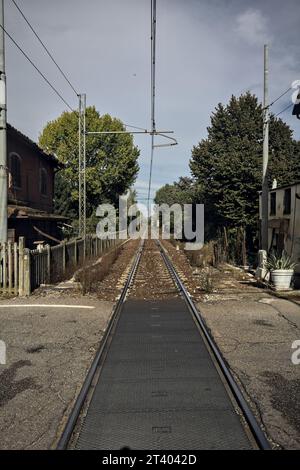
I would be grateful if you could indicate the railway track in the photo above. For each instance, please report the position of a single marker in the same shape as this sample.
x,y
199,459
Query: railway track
x,y
158,381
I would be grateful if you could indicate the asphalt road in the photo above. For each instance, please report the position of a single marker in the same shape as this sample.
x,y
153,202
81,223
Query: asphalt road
x,y
50,343
255,335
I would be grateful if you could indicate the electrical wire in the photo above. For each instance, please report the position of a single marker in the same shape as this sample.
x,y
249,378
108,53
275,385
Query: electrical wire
x,y
135,127
278,98
153,47
284,109
44,46
37,69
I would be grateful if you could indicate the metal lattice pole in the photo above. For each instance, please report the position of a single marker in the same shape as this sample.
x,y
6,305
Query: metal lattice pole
x,y
82,165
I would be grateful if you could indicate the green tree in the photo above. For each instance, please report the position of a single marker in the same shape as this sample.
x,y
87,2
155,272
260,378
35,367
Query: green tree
x,y
131,197
180,192
227,165
111,161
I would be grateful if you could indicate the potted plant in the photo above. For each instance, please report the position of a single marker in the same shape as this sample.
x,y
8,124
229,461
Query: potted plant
x,y
281,268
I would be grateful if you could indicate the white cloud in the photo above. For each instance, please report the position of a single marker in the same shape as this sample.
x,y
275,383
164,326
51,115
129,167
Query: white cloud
x,y
252,26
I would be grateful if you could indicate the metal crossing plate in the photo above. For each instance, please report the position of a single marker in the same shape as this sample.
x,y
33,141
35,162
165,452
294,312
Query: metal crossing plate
x,y
160,395
152,351
159,387
167,430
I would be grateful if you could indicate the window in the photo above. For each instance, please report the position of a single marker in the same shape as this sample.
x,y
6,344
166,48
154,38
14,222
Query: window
x,y
15,170
287,201
273,204
43,181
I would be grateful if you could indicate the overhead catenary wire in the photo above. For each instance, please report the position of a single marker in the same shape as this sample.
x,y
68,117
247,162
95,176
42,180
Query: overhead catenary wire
x,y
153,62
153,96
153,50
37,69
55,62
44,46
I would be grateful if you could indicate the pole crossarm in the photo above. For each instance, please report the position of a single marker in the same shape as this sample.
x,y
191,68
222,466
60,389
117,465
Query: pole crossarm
x,y
130,132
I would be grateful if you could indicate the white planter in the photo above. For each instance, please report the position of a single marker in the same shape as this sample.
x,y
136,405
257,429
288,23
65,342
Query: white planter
x,y
281,278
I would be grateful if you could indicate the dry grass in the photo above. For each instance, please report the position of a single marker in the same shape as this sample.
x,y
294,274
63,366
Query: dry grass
x,y
208,282
198,258
90,274
6,295
203,257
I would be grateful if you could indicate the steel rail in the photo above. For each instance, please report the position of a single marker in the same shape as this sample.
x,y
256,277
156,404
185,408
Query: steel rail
x,y
256,430
73,417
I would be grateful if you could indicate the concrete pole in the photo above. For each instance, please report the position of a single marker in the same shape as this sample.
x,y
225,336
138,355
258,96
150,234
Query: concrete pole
x,y
82,165
79,166
265,189
3,151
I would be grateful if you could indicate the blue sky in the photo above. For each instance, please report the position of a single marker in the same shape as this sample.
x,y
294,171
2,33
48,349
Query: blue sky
x,y
206,51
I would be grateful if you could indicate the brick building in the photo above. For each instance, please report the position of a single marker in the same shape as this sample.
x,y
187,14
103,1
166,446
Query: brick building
x,y
31,174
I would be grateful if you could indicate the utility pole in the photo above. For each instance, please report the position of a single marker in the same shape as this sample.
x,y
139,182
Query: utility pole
x,y
3,151
82,165
265,188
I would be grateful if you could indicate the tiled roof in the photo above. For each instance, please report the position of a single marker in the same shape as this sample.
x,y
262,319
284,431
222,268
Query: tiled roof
x,y
285,186
296,183
35,146
23,212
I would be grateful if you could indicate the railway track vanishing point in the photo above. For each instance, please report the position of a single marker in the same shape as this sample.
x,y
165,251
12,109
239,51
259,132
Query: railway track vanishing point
x,y
158,380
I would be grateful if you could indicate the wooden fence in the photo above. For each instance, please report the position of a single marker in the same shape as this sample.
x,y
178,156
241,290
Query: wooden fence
x,y
23,270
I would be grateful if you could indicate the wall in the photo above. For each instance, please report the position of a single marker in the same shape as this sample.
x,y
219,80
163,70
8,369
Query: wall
x,y
287,226
31,163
